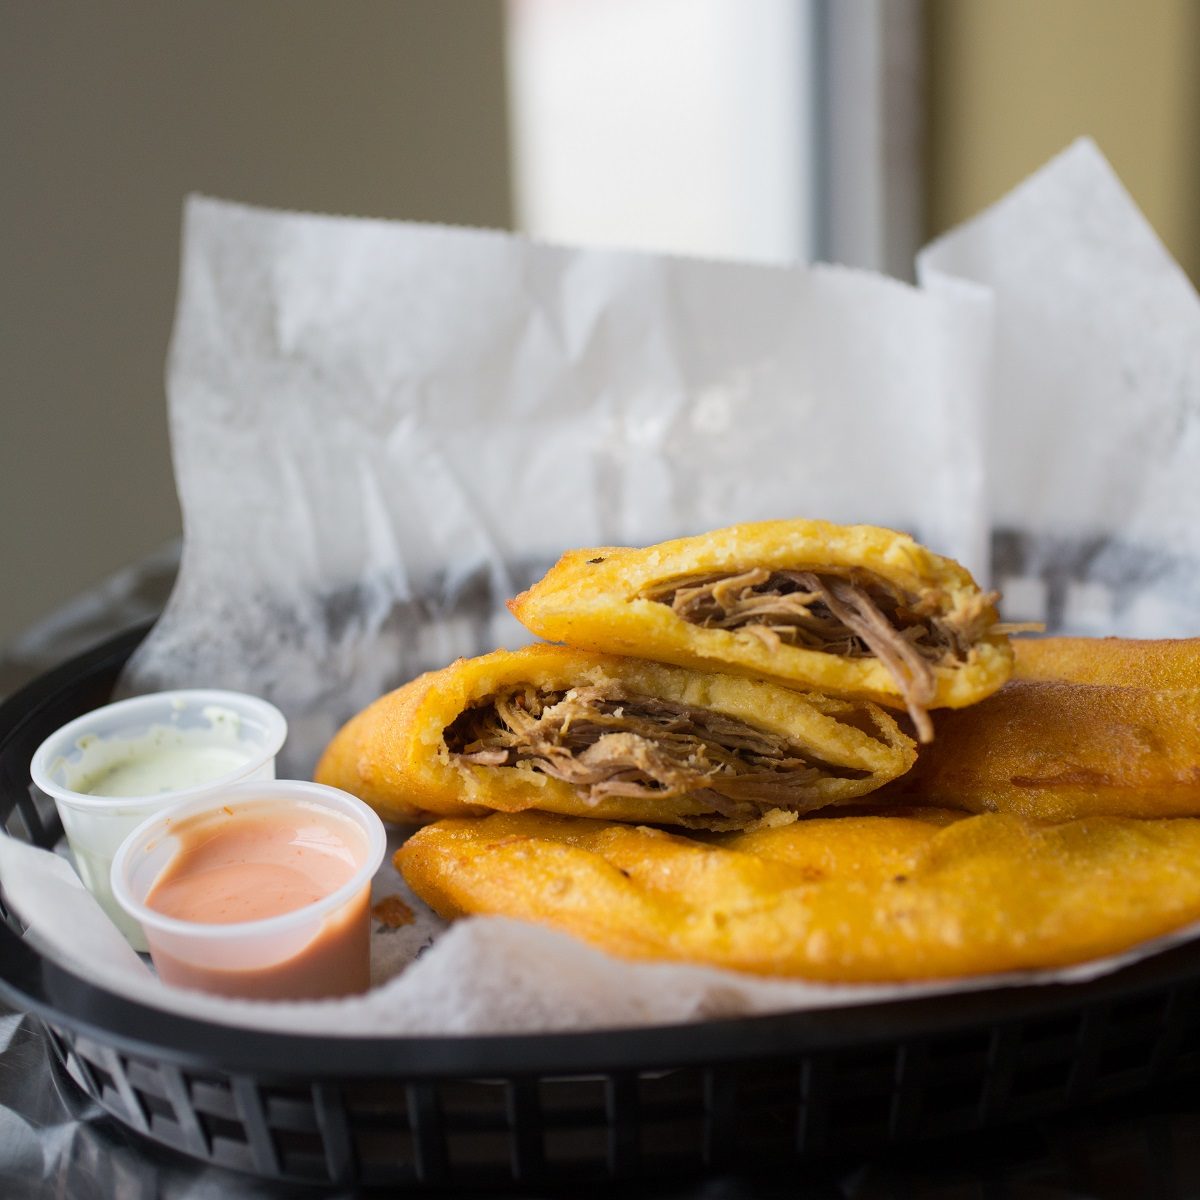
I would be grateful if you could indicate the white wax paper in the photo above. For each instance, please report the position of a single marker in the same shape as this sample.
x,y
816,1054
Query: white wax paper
x,y
383,431
1093,436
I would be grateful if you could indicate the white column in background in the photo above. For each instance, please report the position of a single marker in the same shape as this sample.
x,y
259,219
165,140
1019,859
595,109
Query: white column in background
x,y
681,126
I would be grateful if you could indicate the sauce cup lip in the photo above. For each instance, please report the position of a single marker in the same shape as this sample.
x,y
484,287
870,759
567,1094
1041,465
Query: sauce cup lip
x,y
264,792
63,740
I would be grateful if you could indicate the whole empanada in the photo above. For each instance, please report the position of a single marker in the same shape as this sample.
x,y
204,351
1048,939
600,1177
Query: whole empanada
x,y
1158,664
925,895
1088,726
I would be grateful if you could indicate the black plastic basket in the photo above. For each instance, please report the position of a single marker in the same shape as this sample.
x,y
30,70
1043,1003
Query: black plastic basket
x,y
556,1109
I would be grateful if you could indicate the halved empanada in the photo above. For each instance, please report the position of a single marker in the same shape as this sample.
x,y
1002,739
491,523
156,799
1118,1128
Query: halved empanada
x,y
567,731
848,610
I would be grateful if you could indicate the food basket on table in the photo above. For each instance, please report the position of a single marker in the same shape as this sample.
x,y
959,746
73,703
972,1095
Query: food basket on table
x,y
550,1109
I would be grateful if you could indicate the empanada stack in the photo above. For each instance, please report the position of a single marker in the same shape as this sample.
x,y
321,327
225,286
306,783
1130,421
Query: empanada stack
x,y
716,766
709,682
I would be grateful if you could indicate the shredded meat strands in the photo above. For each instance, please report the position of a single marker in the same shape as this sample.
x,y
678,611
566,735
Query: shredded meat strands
x,y
853,617
607,743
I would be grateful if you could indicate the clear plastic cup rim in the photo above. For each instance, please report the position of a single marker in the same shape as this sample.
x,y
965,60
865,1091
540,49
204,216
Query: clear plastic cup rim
x,y
264,792
63,740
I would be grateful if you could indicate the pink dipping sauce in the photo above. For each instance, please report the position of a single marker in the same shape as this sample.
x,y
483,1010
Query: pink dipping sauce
x,y
237,865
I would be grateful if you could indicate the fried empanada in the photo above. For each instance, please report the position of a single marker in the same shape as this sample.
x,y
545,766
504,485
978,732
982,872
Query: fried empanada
x,y
848,610
1156,663
568,731
1051,750
847,899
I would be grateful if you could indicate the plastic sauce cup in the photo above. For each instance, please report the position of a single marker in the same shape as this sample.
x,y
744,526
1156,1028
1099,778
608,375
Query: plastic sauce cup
x,y
151,751
319,950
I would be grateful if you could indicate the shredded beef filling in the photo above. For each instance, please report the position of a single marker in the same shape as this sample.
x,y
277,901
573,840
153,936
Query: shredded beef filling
x,y
854,616
609,744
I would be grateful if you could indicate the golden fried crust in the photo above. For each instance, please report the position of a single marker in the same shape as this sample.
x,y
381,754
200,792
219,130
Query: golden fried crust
x,y
394,755
374,756
850,899
1159,664
1052,750
590,598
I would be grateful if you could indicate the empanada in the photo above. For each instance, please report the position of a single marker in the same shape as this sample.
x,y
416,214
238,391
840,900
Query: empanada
x,y
847,610
846,899
1051,749
1160,664
568,731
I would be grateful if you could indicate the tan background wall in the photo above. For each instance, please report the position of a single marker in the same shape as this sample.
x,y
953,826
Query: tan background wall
x,y
1011,82
109,114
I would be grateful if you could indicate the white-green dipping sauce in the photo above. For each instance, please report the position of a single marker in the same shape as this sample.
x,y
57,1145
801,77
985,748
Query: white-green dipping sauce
x,y
163,759
163,769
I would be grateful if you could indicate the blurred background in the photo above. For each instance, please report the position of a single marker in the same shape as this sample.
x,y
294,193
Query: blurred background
x,y
774,130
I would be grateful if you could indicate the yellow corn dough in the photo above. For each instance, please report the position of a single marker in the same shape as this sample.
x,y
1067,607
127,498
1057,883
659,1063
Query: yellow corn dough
x,y
568,731
1159,664
849,899
1088,726
741,600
